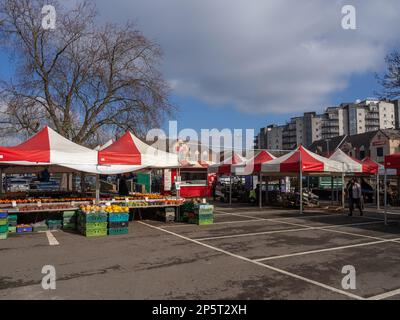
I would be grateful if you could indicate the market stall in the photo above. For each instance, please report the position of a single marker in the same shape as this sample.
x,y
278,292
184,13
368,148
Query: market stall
x,y
49,150
392,162
253,167
302,162
352,166
195,181
225,168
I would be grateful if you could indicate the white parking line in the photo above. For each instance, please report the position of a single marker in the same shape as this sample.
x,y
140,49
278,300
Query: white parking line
x,y
52,239
385,295
328,228
333,289
326,250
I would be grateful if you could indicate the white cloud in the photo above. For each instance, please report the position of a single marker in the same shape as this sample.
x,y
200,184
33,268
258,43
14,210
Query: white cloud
x,y
262,55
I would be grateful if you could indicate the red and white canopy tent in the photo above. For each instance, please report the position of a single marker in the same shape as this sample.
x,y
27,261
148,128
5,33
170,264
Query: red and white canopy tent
x,y
351,165
301,161
358,167
253,165
225,168
48,148
129,150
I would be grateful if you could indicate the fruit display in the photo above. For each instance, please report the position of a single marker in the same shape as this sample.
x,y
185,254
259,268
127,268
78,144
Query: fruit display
x,y
138,204
102,208
116,209
45,208
43,200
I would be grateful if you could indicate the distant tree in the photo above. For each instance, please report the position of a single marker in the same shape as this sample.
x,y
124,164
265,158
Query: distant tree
x,y
81,78
390,81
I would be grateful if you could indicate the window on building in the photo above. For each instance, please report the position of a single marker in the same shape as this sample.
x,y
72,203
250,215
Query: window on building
x,y
362,154
379,152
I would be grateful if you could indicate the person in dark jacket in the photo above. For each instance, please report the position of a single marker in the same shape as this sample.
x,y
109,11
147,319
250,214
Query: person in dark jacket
x,y
123,187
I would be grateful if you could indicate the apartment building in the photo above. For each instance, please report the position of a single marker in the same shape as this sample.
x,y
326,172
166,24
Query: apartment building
x,y
333,123
369,115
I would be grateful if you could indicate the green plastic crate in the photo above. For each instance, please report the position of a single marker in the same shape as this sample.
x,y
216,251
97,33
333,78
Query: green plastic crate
x,y
3,236
69,214
12,229
3,221
95,232
93,217
12,217
117,231
4,228
94,225
69,226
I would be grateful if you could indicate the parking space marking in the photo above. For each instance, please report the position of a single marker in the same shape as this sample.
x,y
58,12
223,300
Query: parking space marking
x,y
251,234
52,239
328,228
385,295
322,285
326,250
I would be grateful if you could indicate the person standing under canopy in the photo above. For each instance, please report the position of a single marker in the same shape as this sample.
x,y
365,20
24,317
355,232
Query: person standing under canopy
x,y
354,193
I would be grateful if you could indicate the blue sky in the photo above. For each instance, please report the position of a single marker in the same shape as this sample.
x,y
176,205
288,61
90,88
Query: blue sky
x,y
240,64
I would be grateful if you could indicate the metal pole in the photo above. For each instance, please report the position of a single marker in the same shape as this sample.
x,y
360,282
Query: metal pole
x,y
6,183
332,191
230,189
301,184
266,190
378,204
150,181
343,200
260,191
385,196
1,181
97,188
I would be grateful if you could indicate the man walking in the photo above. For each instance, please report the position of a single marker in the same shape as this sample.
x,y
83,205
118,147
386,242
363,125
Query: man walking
x,y
355,196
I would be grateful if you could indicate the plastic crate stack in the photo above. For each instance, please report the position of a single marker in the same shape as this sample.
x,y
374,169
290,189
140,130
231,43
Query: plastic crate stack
x,y
118,223
12,223
203,214
69,220
3,225
40,226
92,224
54,224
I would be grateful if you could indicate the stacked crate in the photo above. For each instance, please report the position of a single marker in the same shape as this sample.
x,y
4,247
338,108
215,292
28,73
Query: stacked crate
x,y
40,226
118,223
69,220
54,224
12,222
3,225
92,224
203,214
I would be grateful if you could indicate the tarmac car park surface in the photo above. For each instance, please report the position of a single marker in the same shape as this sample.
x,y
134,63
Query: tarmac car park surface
x,y
247,253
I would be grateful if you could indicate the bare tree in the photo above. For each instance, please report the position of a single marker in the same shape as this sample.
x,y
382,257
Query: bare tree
x,y
390,81
81,78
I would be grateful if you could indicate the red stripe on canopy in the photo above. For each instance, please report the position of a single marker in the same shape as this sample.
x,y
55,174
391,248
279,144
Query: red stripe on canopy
x,y
122,152
35,149
309,163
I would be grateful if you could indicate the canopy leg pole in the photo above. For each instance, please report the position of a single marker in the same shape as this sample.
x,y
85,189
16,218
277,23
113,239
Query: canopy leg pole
x,y
385,196
301,184
150,181
260,191
5,183
83,188
343,200
332,191
266,190
1,181
378,204
97,188
230,190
